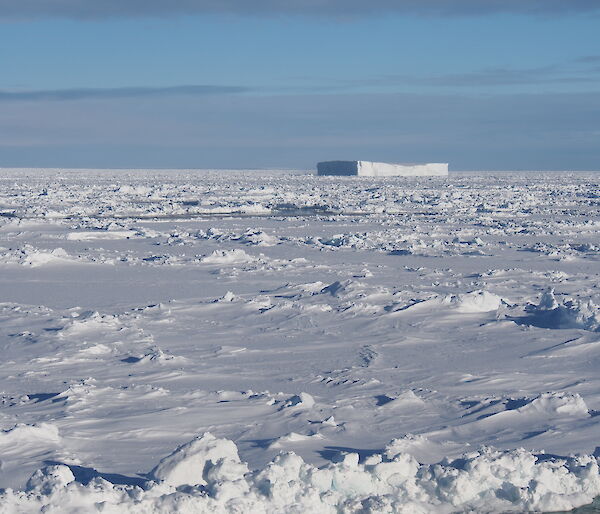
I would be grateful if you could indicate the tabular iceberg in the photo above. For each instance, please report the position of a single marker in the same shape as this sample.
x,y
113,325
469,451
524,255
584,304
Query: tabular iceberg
x,y
381,169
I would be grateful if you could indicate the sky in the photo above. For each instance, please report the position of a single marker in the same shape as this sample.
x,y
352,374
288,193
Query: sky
x,y
480,84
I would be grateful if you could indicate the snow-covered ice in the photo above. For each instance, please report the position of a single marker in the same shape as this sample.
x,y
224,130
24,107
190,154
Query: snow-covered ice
x,y
203,341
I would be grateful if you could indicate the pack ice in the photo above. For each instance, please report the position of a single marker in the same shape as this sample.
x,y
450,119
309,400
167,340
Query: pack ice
x,y
207,341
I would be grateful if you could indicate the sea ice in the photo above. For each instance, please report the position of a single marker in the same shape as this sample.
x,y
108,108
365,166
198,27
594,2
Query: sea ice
x,y
198,341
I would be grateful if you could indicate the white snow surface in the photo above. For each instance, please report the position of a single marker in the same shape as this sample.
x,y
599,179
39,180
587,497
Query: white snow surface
x,y
203,341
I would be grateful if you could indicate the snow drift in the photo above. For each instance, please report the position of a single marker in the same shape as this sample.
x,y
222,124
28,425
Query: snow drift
x,y
206,475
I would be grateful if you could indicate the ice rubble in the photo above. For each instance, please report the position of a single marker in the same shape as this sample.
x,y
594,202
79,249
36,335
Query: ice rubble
x,y
436,332
32,257
475,301
207,475
235,256
570,313
194,463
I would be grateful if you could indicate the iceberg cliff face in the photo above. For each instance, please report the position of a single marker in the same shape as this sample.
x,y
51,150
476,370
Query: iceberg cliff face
x,y
380,169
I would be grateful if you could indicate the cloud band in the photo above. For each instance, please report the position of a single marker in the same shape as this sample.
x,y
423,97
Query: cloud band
x,y
119,92
100,9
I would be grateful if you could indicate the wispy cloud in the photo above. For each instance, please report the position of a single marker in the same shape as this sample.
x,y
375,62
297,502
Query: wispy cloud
x,y
582,71
118,92
505,77
516,131
589,59
98,9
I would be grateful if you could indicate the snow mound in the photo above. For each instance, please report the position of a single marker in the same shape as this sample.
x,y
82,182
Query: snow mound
x,y
258,238
229,296
339,289
157,355
299,401
557,404
292,438
570,313
407,400
476,301
22,449
47,480
22,434
90,321
235,256
193,463
216,480
30,256
466,303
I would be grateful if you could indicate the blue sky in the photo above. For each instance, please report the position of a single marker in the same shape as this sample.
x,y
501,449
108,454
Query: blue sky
x,y
200,85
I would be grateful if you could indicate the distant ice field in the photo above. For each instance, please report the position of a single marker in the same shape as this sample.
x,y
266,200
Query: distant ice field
x,y
274,341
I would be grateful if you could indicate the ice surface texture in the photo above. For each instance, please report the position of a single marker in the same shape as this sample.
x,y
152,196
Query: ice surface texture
x,y
419,343
206,475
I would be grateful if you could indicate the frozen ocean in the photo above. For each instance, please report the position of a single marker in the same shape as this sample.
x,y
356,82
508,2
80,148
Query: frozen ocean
x,y
273,341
